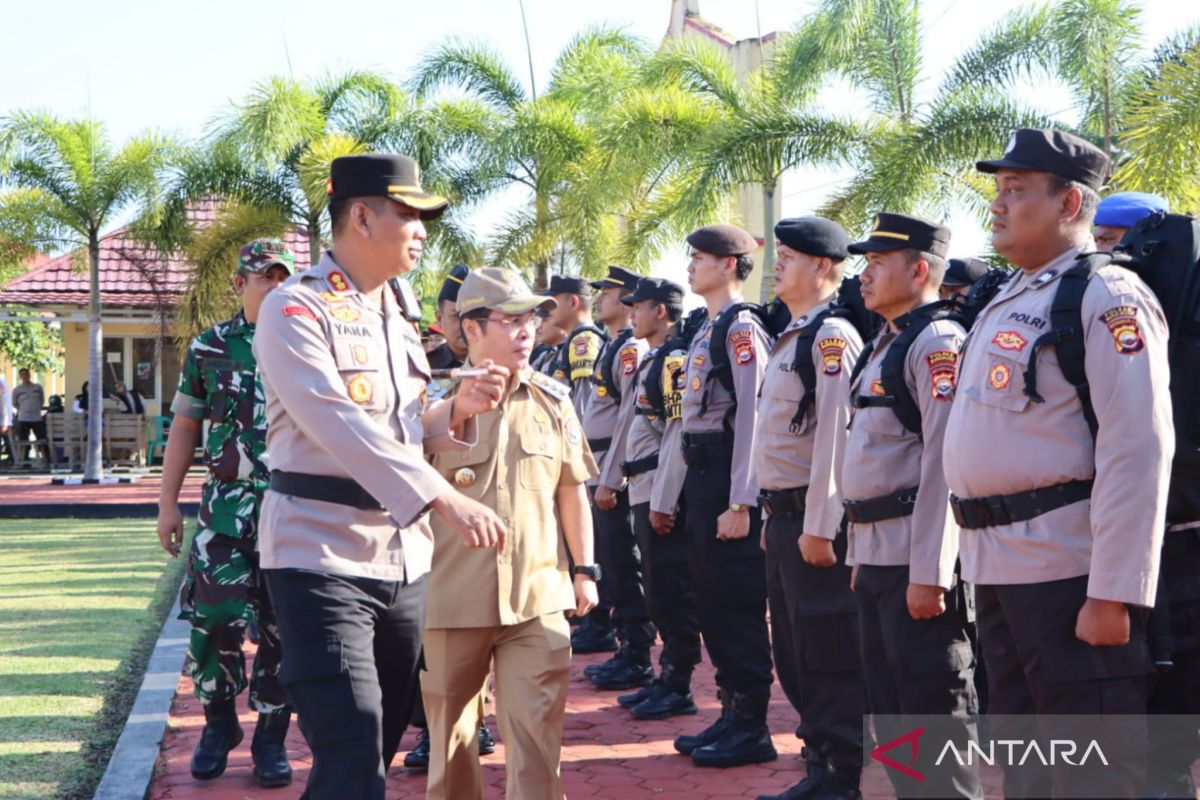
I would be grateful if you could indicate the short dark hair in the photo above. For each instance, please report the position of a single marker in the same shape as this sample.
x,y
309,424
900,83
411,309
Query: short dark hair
x,y
744,266
1091,198
937,264
339,210
674,312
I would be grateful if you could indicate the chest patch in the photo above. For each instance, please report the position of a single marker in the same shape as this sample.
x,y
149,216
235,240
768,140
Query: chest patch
x,y
346,313
1122,323
1000,376
1010,340
831,355
877,387
1027,319
696,383
360,389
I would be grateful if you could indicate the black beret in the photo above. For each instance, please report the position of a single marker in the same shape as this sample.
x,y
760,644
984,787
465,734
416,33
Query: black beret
x,y
566,284
378,175
902,232
722,240
1056,152
453,280
964,271
618,277
814,236
659,290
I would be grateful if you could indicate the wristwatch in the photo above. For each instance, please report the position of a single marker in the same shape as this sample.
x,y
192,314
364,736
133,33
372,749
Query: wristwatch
x,y
737,507
592,571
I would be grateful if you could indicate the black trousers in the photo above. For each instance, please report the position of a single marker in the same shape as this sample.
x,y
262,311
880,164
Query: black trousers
x,y
814,638
351,650
730,583
617,552
669,595
1036,665
917,667
1174,745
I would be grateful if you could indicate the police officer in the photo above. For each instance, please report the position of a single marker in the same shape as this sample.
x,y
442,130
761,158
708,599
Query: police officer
x,y
800,444
610,412
451,352
546,342
530,464
721,496
1119,212
344,541
961,273
655,426
917,657
576,368
224,590
1062,530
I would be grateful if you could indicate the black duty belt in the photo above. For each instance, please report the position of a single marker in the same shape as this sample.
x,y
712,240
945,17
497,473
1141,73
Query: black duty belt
x,y
877,509
1005,509
783,502
701,448
639,465
600,445
326,488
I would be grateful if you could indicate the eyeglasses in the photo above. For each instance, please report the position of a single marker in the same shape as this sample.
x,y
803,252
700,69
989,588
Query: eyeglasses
x,y
523,321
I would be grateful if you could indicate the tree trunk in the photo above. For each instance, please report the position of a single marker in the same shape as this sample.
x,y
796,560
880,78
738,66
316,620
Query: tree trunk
x,y
314,240
766,286
93,466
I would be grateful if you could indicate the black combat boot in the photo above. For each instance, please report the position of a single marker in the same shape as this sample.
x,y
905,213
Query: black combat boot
x,y
618,660
840,784
417,759
487,745
268,750
594,635
817,769
745,741
689,744
222,733
637,672
645,693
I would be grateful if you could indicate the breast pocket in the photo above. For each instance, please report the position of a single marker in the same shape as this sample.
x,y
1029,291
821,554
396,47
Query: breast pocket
x,y
361,370
468,470
782,391
1006,357
541,461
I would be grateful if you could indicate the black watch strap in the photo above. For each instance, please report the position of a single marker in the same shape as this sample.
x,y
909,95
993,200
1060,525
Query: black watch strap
x,y
592,571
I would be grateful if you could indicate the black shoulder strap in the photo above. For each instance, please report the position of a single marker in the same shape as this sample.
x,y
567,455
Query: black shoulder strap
x,y
802,362
604,365
1067,336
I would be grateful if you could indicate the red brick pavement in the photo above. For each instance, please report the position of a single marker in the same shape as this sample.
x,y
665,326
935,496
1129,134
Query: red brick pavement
x,y
605,755
39,491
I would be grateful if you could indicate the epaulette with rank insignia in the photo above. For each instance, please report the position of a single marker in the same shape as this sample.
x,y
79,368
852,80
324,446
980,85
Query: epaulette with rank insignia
x,y
550,386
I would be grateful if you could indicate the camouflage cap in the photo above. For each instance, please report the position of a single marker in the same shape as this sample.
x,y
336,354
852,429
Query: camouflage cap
x,y
500,290
262,254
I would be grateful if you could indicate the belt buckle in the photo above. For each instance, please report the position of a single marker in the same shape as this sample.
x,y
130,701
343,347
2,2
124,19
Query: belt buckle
x,y
764,500
957,506
997,510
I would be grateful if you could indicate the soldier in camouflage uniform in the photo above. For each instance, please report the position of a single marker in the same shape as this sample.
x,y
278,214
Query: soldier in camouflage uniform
x,y
223,592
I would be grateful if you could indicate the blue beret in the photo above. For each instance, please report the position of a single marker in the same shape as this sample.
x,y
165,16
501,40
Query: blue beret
x,y
1124,209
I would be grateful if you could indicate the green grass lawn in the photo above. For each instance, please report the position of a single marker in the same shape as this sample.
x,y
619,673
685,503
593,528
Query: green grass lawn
x,y
81,603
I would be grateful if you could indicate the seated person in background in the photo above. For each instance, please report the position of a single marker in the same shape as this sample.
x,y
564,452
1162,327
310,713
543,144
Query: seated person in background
x,y
129,401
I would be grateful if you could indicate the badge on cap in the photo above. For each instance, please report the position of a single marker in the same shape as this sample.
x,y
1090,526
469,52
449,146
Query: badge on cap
x,y
360,389
1122,322
1000,376
943,369
831,354
464,477
1010,340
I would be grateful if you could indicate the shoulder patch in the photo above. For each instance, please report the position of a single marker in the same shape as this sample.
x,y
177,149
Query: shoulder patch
x,y
831,354
943,373
743,347
550,386
585,349
1122,323
629,359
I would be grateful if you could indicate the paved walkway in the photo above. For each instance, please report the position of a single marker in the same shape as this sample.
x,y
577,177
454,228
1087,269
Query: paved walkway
x,y
35,496
606,754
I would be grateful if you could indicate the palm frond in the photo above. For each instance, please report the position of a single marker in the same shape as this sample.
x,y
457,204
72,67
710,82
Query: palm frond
x,y
475,68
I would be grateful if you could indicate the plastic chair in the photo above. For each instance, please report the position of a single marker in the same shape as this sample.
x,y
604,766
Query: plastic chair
x,y
157,428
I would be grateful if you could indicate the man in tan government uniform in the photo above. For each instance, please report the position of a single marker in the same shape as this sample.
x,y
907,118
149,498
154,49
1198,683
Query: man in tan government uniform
x,y
916,654
1062,524
344,542
800,436
530,463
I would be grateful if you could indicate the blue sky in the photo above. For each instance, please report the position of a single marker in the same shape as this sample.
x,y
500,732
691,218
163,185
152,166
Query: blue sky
x,y
137,64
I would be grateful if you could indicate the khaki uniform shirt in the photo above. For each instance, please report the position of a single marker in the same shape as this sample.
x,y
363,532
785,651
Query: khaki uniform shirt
x,y
1000,442
527,448
883,457
345,383
748,347
790,456
625,365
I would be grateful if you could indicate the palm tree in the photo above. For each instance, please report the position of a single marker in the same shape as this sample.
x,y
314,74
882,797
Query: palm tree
x,y
549,145
1162,125
69,183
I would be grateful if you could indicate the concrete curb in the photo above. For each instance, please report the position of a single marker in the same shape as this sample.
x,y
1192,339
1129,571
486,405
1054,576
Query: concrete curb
x,y
132,764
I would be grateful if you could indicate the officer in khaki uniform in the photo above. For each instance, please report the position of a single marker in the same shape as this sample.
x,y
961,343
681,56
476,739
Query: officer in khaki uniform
x,y
913,614
721,496
343,536
530,463
1062,532
801,444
